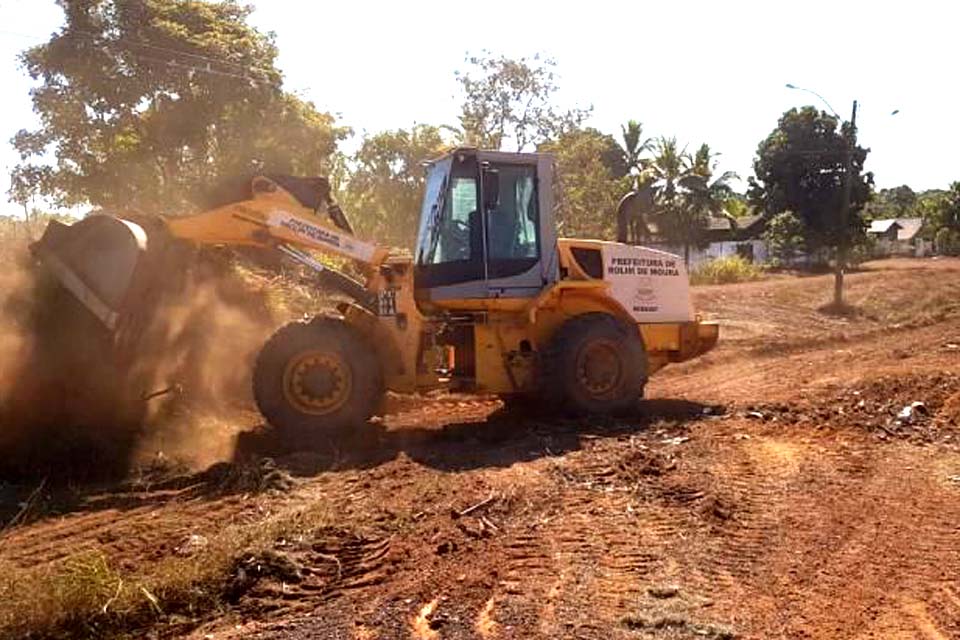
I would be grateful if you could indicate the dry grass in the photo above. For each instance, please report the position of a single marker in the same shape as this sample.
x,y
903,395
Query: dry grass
x,y
87,596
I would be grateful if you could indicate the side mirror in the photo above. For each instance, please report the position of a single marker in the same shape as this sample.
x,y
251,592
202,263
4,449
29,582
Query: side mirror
x,y
491,189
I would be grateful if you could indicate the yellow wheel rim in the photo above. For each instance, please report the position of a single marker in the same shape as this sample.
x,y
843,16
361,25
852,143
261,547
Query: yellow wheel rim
x,y
317,382
599,367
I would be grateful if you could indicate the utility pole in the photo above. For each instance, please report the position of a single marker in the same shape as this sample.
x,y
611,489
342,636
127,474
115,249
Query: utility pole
x,y
844,238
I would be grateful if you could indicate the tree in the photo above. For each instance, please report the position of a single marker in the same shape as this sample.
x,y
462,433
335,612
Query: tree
x,y
633,147
941,217
902,199
675,221
144,105
587,187
669,164
509,100
712,193
690,195
702,197
736,206
785,237
383,190
801,167
948,208
947,241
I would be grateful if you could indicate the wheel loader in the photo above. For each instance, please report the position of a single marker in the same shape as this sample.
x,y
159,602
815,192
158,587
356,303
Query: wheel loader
x,y
490,301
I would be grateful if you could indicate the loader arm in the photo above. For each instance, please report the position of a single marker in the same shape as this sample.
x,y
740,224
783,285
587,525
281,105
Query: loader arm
x,y
110,265
273,216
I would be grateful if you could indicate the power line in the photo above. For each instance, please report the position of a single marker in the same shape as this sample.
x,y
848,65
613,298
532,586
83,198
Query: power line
x,y
196,56
263,71
174,63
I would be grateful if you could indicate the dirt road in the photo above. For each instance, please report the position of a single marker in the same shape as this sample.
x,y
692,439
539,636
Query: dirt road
x,y
767,491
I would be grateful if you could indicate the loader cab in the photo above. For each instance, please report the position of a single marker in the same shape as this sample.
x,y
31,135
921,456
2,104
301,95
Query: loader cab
x,y
486,227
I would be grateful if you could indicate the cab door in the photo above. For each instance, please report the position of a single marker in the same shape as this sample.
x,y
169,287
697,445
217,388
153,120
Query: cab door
x,y
513,230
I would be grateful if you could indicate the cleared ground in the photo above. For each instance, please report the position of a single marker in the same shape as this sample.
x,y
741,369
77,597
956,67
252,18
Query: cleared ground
x,y
768,490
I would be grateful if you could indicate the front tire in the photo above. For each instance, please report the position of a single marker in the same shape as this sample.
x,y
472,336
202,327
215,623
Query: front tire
x,y
317,378
594,364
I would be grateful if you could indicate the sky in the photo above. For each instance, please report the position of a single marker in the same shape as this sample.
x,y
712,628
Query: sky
x,y
703,71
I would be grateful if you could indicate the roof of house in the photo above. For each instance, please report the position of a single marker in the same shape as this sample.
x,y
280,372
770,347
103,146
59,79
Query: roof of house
x,y
723,228
907,228
746,226
881,226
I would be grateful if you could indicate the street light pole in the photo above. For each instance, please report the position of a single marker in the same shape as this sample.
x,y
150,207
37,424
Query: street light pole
x,y
843,240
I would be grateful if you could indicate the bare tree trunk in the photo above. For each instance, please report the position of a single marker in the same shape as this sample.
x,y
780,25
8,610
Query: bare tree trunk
x,y
842,246
838,269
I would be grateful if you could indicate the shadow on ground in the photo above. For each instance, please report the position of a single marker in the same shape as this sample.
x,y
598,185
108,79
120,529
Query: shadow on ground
x,y
263,461
505,437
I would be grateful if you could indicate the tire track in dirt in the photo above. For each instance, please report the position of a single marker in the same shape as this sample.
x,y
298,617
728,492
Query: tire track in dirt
x,y
333,564
584,571
816,528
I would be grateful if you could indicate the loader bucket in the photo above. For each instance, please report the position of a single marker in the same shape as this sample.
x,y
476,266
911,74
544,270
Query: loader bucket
x,y
97,259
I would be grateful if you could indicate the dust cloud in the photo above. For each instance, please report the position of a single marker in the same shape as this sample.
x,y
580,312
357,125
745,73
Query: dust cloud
x,y
73,405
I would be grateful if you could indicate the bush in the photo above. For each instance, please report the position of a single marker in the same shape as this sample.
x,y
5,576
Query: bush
x,y
786,238
947,242
726,270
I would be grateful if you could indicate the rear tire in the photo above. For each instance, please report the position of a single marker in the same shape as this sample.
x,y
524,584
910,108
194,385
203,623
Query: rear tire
x,y
594,364
313,379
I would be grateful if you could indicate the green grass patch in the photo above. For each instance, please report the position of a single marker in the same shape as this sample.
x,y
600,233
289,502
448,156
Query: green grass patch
x,y
726,271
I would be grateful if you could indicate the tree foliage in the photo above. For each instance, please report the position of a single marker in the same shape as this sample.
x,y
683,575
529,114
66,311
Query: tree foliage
x,y
736,206
800,167
686,192
947,209
898,202
785,237
145,103
511,101
588,183
633,147
384,188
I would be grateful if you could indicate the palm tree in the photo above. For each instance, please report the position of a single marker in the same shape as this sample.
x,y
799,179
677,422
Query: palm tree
x,y
670,163
633,147
706,193
687,193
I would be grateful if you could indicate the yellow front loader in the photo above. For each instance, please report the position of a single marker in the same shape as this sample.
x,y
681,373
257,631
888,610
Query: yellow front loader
x,y
491,301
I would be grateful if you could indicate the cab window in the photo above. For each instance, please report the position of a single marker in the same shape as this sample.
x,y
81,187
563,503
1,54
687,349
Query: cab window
x,y
453,240
513,238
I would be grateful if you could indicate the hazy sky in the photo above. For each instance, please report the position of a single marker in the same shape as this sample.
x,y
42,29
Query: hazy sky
x,y
704,71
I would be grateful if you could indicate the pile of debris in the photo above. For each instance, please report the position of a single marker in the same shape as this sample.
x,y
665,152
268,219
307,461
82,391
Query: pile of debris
x,y
916,407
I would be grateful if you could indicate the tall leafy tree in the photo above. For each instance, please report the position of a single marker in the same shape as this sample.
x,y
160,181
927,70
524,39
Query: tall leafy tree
x,y
383,189
903,199
144,104
801,167
589,183
510,102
